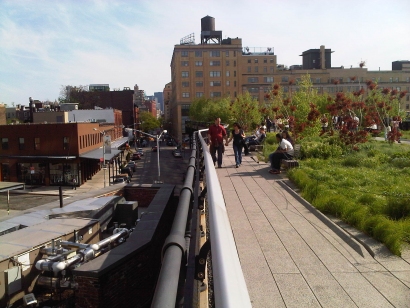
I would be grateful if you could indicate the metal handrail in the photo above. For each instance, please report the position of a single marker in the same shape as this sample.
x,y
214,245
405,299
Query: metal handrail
x,y
174,248
229,283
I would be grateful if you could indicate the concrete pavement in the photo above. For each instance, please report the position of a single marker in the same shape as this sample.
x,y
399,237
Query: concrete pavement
x,y
294,256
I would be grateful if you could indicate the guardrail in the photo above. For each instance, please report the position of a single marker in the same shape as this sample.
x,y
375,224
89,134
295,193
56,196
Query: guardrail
x,y
229,287
229,283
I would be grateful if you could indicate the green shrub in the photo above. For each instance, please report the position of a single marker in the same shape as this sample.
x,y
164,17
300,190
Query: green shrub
x,y
320,150
351,161
397,207
401,162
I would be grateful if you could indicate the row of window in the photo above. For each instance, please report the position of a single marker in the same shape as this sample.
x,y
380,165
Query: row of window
x,y
212,53
185,74
265,60
201,94
22,143
265,69
85,141
185,84
211,63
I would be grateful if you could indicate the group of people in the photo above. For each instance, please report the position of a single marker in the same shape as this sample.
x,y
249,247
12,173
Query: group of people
x,y
217,134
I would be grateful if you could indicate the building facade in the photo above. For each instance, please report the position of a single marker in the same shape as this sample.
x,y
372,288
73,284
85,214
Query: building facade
x,y
55,153
223,67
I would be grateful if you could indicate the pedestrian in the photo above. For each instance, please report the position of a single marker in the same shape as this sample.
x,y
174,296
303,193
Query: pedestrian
x,y
216,135
238,139
268,124
74,184
284,151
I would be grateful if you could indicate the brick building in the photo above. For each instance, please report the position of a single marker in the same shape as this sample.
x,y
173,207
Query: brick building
x,y
56,153
223,67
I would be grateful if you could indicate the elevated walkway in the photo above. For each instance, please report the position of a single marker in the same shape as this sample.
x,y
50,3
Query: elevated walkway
x,y
293,256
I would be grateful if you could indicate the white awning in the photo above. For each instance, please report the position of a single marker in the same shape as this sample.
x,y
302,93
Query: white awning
x,y
98,154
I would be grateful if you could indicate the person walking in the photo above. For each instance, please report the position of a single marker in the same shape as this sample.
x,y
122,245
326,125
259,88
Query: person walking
x,y
216,135
74,184
284,151
238,139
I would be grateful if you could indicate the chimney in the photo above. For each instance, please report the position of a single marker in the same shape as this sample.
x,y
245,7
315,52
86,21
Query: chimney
x,y
322,57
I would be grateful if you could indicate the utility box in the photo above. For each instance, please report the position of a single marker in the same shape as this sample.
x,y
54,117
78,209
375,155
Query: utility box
x,y
126,212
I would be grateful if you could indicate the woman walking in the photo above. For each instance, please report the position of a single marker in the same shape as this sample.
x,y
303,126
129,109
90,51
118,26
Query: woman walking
x,y
238,137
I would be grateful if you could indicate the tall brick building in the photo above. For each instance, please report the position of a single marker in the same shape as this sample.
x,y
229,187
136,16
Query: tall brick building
x,y
223,67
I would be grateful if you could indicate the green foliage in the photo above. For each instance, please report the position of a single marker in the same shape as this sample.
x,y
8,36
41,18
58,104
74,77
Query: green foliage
x,y
320,150
366,189
245,111
148,121
207,110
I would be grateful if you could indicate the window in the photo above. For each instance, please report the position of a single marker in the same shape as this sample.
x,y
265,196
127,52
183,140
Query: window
x,y
285,78
184,53
256,61
198,63
215,94
215,63
407,79
227,73
5,143
185,74
234,53
66,142
267,79
199,94
228,83
227,62
199,74
252,79
265,69
185,94
37,143
227,53
391,79
271,60
199,84
317,80
265,60
249,61
271,70
249,69
185,84
253,90
396,79
21,143
215,74
234,83
184,63
215,53
198,53
407,106
234,63
256,69
185,110
234,73
215,83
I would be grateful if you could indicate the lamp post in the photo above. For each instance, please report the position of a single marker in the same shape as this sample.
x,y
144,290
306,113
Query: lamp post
x,y
157,136
103,148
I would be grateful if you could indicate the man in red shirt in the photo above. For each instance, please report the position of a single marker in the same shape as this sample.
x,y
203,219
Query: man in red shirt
x,y
216,136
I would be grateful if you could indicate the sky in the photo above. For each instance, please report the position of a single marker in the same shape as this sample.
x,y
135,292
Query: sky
x,y
48,44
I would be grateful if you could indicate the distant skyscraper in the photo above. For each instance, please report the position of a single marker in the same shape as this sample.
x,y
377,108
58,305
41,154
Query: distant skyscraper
x,y
160,99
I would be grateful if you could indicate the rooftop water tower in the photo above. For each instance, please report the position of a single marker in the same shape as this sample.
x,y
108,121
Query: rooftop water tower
x,y
208,33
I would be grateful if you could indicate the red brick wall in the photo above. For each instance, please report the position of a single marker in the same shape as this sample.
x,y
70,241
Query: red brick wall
x,y
143,195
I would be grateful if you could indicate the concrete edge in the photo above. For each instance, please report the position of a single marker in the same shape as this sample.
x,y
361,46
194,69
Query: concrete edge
x,y
350,239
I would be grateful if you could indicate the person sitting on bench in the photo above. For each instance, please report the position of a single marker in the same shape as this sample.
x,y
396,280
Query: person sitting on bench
x,y
260,139
284,151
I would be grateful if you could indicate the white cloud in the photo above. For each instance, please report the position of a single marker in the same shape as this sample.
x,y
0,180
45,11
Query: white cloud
x,y
46,44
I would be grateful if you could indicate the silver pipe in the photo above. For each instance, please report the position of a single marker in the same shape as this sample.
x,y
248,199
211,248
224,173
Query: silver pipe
x,y
105,242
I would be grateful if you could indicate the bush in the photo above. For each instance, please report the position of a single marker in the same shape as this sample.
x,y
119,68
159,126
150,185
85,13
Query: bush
x,y
320,150
397,207
401,162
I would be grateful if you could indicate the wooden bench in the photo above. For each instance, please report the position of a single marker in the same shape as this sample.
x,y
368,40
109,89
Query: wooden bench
x,y
291,163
